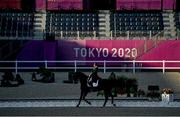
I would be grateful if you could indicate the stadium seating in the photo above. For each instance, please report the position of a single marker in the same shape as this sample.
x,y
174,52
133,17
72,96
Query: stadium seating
x,y
16,24
83,24
136,23
177,18
68,24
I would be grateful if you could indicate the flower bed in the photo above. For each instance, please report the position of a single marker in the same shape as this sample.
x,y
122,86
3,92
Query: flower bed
x,y
167,91
167,95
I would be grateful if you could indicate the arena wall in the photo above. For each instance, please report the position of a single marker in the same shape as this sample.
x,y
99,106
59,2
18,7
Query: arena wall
x,y
145,4
10,4
120,4
100,50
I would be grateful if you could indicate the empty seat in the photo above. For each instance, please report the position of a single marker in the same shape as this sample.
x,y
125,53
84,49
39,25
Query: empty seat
x,y
16,24
136,21
72,22
177,19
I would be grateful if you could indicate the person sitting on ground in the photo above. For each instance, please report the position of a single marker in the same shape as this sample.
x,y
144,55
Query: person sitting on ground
x,y
7,78
19,80
34,77
93,78
52,78
5,81
45,79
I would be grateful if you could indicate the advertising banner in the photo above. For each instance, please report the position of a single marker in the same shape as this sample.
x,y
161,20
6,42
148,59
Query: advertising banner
x,y
10,4
145,4
65,4
104,50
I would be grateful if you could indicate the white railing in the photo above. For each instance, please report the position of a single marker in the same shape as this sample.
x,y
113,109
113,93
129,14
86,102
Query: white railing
x,y
79,35
77,64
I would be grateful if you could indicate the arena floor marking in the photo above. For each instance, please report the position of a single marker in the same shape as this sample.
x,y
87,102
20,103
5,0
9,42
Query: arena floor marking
x,y
94,103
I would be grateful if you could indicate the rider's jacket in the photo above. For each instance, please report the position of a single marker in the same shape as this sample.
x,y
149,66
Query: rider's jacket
x,y
95,70
94,77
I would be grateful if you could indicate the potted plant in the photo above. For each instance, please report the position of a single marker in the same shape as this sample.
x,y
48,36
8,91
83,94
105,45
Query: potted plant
x,y
131,87
167,95
153,93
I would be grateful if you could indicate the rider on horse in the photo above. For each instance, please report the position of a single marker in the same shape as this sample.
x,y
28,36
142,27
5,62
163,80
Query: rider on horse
x,y
93,79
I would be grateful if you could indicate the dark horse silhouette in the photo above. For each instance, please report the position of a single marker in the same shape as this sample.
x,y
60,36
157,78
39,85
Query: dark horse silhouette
x,y
104,84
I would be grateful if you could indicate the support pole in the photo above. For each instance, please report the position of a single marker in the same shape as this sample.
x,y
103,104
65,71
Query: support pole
x,y
163,66
150,34
78,35
94,34
134,66
127,35
46,64
16,65
104,66
75,66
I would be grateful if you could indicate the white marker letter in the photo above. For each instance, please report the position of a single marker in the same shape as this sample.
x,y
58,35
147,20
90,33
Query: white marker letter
x,y
83,52
76,52
91,54
98,51
105,52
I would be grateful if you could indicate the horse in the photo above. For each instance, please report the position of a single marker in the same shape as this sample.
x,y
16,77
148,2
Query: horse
x,y
104,84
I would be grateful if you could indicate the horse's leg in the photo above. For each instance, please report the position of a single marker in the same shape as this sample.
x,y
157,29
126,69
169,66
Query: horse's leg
x,y
84,96
80,99
106,98
112,99
87,101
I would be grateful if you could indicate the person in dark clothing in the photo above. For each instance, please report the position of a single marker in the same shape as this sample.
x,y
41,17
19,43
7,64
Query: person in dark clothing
x,y
19,80
7,78
44,79
33,78
52,78
93,78
5,82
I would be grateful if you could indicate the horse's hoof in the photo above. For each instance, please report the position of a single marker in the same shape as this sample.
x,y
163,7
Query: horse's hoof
x,y
77,106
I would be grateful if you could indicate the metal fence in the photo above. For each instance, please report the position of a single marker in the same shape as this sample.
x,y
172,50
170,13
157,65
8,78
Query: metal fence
x,y
81,35
77,65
